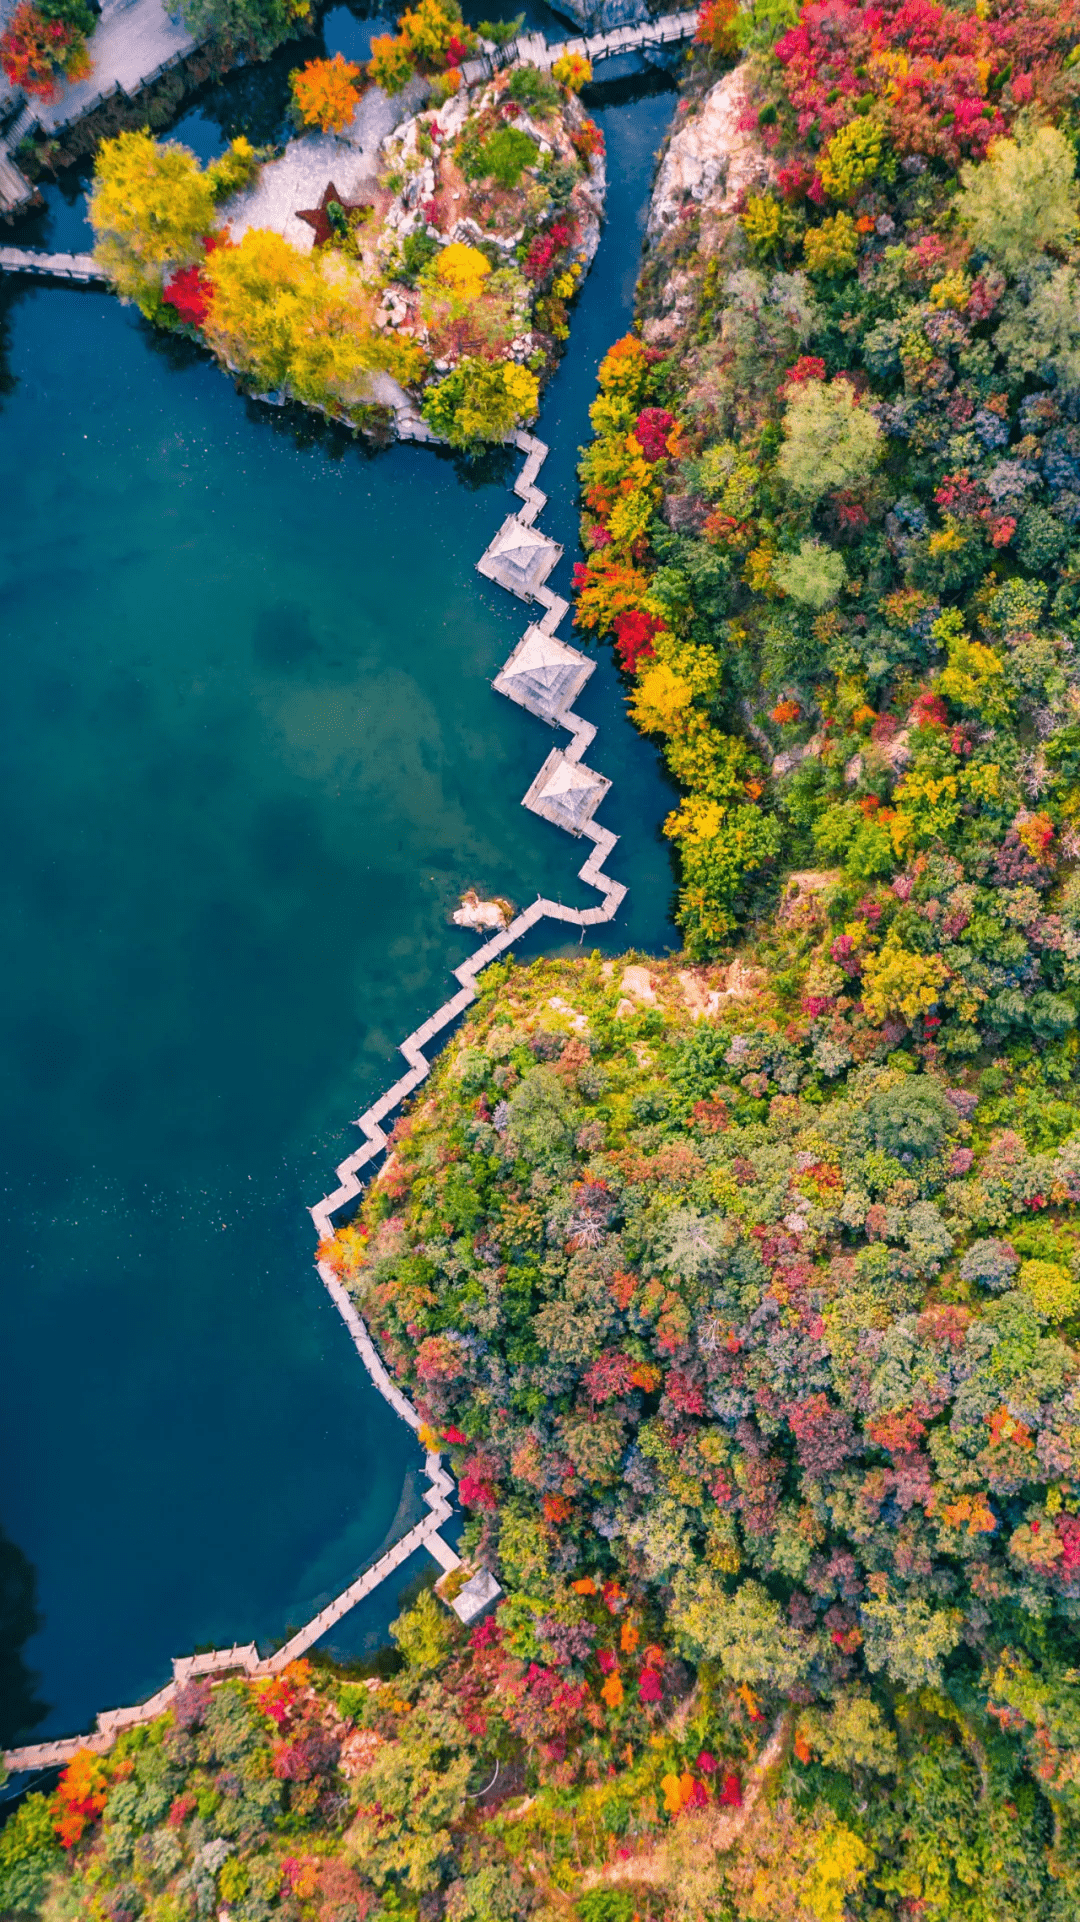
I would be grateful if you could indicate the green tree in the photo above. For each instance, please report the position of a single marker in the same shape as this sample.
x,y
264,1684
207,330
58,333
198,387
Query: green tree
x,y
747,1633
1021,201
830,441
814,576
255,25
423,1633
414,1792
480,401
909,1639
29,1854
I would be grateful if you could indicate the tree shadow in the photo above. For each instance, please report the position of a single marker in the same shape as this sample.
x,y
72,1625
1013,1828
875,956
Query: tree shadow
x,y
9,294
21,1708
623,92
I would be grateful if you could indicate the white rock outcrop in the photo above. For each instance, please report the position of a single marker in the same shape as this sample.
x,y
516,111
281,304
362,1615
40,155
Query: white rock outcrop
x,y
474,913
711,158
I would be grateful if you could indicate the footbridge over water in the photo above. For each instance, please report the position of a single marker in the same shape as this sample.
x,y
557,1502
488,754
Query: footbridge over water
x,y
543,674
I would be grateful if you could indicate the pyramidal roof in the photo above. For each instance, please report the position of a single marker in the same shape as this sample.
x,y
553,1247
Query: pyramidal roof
x,y
513,536
565,792
544,675
570,779
520,558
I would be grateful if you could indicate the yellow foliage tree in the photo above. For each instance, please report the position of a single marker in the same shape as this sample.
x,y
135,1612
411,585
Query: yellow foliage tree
x,y
898,982
833,247
661,701
150,207
392,62
287,321
462,269
429,27
572,71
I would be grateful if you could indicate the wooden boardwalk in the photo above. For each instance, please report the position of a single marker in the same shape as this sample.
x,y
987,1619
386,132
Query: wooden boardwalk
x,y
79,267
245,1658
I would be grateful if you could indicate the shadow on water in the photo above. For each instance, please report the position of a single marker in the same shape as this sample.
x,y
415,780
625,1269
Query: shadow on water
x,y
21,1708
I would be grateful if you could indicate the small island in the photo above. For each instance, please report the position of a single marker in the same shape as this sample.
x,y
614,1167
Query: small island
x,y
394,262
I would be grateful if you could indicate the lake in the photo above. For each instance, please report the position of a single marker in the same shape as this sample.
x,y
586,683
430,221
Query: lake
x,y
250,760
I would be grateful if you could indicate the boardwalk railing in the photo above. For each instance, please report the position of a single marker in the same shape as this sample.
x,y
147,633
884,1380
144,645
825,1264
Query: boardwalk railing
x,y
245,1658
25,260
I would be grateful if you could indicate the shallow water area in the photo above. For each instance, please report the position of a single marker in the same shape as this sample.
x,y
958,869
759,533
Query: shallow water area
x,y
249,761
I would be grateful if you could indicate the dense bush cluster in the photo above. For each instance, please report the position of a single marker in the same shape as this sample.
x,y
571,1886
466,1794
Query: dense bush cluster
x,y
764,1336
832,525
44,44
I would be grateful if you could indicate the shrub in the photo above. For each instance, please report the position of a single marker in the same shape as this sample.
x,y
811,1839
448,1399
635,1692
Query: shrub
x,y
481,401
830,442
325,93
1022,199
572,71
233,170
531,88
505,154
462,269
717,28
501,32
392,62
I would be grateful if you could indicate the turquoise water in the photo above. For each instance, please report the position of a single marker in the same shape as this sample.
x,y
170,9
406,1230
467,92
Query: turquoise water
x,y
249,759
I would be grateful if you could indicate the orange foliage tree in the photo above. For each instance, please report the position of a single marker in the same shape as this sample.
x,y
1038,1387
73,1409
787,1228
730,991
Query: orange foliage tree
x,y
80,1796
325,93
